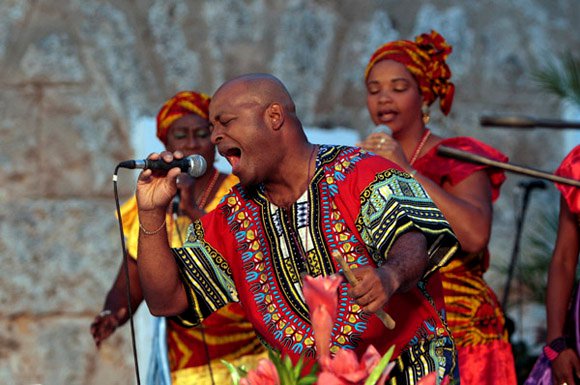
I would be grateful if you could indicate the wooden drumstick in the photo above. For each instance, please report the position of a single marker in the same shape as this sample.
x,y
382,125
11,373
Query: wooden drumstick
x,y
383,316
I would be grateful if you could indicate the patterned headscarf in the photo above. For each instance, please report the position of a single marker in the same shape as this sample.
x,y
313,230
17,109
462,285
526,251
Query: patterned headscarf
x,y
181,104
425,60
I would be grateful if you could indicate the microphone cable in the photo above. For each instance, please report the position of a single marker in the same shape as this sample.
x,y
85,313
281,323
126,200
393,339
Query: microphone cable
x,y
126,268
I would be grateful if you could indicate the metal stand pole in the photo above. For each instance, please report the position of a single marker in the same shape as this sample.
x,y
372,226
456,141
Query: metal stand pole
x,y
528,187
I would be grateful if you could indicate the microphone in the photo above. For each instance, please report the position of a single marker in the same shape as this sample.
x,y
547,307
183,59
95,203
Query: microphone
x,y
526,122
532,184
384,129
195,165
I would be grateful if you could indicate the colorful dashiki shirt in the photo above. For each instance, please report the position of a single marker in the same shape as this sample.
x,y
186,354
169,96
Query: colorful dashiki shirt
x,y
226,334
473,312
251,251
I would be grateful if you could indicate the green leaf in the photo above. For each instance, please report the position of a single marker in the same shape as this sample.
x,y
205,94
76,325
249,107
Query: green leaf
x,y
236,376
308,380
378,370
561,77
298,368
288,373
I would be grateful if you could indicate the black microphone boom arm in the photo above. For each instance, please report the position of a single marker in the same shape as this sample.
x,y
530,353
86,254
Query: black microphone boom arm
x,y
519,121
473,158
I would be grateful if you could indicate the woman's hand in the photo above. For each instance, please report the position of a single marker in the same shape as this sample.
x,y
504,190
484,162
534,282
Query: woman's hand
x,y
105,324
185,183
384,145
566,368
187,204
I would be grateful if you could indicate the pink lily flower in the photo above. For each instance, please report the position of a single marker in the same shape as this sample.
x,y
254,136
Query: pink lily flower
x,y
345,369
264,374
321,296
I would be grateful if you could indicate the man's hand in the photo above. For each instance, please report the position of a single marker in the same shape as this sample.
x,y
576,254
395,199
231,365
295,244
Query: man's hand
x,y
403,268
155,189
373,289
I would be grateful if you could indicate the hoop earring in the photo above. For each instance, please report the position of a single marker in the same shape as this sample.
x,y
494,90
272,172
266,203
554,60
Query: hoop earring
x,y
425,114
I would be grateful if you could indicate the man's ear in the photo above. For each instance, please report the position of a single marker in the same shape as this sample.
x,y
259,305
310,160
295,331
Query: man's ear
x,y
275,116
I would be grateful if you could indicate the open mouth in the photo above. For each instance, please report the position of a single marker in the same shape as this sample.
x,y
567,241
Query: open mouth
x,y
386,115
233,156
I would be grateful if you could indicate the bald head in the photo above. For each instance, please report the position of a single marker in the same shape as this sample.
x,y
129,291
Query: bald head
x,y
254,125
258,89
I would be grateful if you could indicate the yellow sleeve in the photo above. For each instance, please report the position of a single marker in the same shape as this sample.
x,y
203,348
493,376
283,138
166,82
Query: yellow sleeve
x,y
130,225
230,181
130,216
176,231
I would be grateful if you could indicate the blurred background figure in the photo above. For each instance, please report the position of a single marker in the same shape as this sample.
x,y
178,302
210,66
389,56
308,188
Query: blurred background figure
x,y
403,78
559,362
182,355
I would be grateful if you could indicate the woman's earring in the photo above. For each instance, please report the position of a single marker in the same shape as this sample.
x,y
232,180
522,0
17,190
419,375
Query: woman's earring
x,y
425,114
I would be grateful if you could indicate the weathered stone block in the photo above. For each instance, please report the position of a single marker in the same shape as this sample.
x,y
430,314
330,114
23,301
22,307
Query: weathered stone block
x,y
58,256
59,350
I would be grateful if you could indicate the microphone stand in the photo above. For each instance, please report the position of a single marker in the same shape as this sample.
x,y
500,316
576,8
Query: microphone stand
x,y
473,158
516,249
518,121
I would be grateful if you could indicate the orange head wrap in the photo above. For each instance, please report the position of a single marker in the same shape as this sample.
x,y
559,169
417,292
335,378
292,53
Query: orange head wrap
x,y
425,60
181,104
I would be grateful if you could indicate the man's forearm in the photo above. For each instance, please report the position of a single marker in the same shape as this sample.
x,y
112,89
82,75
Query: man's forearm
x,y
406,261
158,272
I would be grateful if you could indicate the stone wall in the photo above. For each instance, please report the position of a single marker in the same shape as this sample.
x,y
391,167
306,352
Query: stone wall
x,y
76,75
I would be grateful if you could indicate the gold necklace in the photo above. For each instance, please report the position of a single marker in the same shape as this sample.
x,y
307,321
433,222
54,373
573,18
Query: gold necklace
x,y
420,146
302,250
314,148
286,213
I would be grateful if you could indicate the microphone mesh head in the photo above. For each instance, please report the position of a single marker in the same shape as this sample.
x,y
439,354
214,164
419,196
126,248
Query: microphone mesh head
x,y
197,165
384,129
